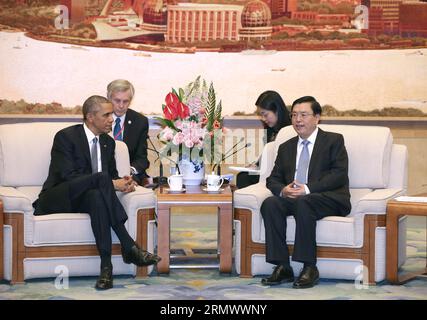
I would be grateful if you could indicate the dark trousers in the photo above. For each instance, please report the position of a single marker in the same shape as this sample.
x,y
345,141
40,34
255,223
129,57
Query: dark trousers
x,y
93,194
244,179
306,211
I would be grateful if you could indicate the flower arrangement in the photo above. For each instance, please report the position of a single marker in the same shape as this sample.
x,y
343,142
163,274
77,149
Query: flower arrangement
x,y
192,124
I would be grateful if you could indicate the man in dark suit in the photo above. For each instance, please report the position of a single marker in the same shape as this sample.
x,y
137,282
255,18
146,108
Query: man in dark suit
x,y
83,178
129,126
309,181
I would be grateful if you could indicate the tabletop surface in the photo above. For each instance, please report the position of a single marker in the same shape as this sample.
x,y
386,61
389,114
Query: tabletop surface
x,y
394,201
194,193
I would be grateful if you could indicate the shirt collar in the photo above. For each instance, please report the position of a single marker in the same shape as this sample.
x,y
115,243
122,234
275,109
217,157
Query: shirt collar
x,y
311,138
122,119
89,134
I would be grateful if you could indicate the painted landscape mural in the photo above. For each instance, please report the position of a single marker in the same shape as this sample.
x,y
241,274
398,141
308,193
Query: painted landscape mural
x,y
358,57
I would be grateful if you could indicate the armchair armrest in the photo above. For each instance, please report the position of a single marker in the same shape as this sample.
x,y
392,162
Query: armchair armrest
x,y
376,201
15,201
141,198
252,196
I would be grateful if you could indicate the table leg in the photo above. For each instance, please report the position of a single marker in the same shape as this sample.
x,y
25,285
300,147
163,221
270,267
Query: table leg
x,y
1,240
392,242
225,241
163,236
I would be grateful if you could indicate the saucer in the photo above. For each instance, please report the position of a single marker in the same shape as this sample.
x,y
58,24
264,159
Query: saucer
x,y
213,191
175,191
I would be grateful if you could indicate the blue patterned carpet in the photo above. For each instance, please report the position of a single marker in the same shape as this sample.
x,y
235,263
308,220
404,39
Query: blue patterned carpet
x,y
208,284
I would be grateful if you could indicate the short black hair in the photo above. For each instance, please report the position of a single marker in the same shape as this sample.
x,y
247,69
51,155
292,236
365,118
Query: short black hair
x,y
315,106
93,104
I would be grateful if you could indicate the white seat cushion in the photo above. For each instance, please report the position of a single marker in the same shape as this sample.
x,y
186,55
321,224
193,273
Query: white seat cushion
x,y
333,231
58,228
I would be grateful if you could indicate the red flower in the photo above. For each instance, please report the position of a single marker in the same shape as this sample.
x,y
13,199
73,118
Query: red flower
x,y
175,108
184,111
216,124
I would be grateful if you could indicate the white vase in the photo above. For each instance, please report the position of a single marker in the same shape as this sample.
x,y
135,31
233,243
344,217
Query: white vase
x,y
193,172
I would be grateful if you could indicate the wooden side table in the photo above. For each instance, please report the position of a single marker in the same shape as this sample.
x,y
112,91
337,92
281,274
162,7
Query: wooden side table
x,y
195,196
395,210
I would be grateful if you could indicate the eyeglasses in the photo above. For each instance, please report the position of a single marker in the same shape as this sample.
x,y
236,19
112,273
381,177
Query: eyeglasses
x,y
303,115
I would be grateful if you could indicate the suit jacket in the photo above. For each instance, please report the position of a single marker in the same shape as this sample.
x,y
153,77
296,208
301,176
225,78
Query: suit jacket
x,y
135,136
70,159
327,172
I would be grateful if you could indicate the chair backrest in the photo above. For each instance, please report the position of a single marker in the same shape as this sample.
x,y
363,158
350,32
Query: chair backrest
x,y
267,160
369,152
25,152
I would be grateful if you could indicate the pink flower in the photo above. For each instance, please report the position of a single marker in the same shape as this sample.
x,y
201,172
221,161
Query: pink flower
x,y
167,134
178,139
194,103
193,124
188,143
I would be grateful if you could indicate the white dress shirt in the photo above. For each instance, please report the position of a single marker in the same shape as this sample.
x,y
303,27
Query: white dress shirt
x,y
90,135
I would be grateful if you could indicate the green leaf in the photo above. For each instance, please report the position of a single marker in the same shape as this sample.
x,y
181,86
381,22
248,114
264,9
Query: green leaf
x,y
210,109
181,94
218,112
174,92
166,123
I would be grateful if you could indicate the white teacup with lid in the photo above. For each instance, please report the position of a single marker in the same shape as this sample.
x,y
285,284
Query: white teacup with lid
x,y
175,182
214,182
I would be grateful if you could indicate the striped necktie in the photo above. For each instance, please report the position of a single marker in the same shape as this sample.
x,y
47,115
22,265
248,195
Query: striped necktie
x,y
117,130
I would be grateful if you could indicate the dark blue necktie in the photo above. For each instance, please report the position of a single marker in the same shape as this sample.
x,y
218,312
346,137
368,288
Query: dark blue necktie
x,y
117,130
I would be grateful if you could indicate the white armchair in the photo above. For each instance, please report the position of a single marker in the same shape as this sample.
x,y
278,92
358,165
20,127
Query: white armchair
x,y
377,173
35,245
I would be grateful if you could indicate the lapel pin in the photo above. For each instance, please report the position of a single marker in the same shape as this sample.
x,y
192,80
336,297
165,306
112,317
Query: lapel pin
x,y
129,122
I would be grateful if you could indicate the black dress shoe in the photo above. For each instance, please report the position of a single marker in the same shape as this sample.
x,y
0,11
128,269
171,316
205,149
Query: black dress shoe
x,y
105,280
308,278
140,257
279,275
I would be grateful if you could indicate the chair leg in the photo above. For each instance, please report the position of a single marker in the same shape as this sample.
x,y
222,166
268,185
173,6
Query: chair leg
x,y
16,221
1,242
143,216
371,222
